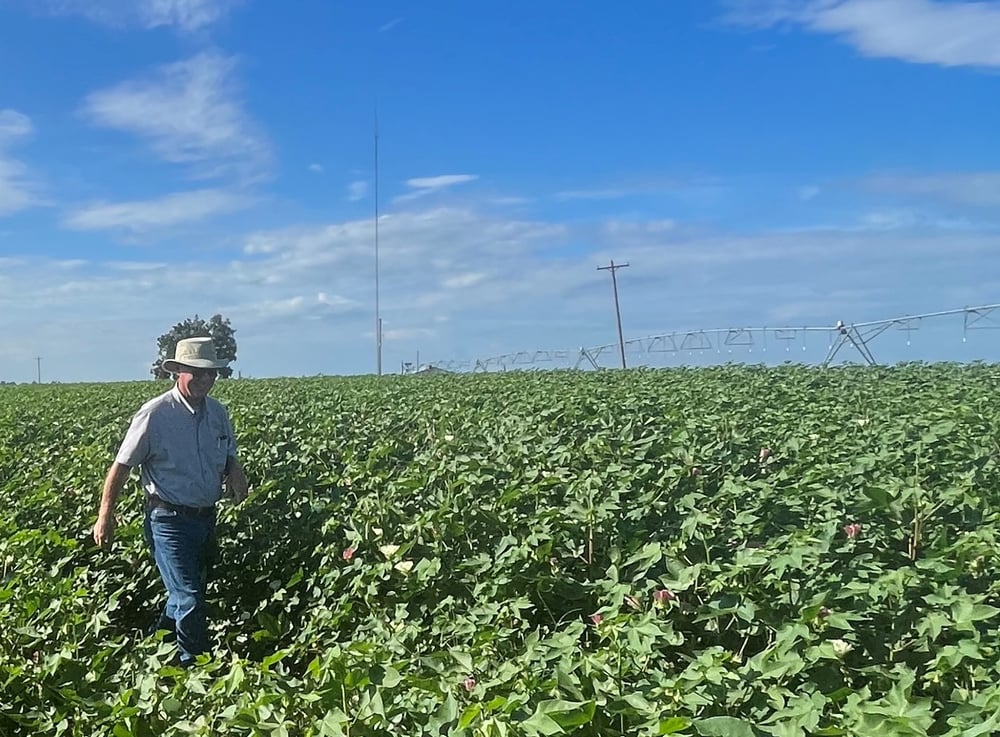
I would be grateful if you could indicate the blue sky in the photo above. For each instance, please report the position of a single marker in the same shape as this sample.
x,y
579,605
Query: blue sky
x,y
757,162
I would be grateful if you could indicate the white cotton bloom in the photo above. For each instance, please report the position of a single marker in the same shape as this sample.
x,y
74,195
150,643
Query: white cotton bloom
x,y
841,647
404,566
388,550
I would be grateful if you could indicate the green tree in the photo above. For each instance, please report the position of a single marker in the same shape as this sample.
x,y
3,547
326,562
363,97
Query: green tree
x,y
217,328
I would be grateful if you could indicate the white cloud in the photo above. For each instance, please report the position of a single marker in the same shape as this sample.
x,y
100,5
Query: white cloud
x,y
18,190
70,263
423,186
596,194
808,192
357,190
190,114
143,216
505,200
954,33
316,168
14,125
616,228
445,180
461,281
298,306
406,334
390,25
890,220
975,189
698,187
186,15
468,283
137,266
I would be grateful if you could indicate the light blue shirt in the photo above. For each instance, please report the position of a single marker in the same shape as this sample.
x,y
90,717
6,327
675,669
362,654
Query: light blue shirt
x,y
182,451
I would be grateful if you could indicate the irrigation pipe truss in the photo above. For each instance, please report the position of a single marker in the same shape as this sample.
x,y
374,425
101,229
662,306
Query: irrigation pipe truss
x,y
858,335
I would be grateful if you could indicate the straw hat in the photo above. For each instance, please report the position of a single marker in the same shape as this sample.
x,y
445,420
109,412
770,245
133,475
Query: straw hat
x,y
194,353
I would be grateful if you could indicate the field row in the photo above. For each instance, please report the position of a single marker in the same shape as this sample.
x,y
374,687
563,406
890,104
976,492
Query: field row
x,y
733,551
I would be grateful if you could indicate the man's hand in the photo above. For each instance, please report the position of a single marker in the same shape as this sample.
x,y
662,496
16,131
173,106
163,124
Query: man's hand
x,y
236,482
238,490
104,530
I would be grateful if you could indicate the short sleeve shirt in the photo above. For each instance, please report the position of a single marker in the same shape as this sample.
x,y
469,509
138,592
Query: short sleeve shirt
x,y
182,451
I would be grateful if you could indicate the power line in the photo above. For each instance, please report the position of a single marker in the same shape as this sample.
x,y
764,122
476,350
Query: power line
x,y
618,314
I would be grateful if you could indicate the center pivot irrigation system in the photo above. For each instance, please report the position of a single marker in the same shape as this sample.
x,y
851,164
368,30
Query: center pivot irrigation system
x,y
853,336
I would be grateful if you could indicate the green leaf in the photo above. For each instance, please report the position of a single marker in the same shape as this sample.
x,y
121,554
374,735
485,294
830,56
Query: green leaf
x,y
673,725
446,713
879,496
639,703
723,727
981,612
570,713
470,715
463,659
554,716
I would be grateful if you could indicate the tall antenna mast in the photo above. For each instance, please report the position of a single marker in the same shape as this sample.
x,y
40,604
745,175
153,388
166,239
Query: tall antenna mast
x,y
378,315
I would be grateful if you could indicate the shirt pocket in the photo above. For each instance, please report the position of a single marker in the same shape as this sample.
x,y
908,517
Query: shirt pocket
x,y
217,450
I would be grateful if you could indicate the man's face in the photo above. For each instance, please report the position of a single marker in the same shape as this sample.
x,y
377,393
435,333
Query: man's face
x,y
195,383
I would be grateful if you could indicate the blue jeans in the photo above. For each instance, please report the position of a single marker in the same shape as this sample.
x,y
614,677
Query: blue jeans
x,y
184,547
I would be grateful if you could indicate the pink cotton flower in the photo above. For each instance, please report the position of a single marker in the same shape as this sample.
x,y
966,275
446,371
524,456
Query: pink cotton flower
x,y
596,618
662,596
348,553
852,530
469,683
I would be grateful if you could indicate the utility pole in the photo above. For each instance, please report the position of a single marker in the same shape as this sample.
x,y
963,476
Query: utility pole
x,y
38,360
618,314
378,315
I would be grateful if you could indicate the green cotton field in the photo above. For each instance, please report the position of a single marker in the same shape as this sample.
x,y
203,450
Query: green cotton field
x,y
727,552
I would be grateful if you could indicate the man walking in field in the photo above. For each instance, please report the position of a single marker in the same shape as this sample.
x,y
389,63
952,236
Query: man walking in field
x,y
183,442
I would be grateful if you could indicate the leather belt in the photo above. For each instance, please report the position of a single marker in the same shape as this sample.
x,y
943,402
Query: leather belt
x,y
153,501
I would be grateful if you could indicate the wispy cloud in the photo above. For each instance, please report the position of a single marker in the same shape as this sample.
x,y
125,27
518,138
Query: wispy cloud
x,y
301,296
189,112
17,189
461,281
890,220
390,25
423,186
504,200
148,215
185,15
439,182
697,186
975,189
808,192
612,193
316,168
953,33
357,190
312,306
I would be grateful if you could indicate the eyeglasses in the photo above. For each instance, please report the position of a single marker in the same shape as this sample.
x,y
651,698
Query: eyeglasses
x,y
198,373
